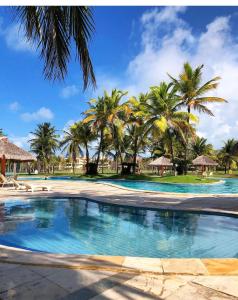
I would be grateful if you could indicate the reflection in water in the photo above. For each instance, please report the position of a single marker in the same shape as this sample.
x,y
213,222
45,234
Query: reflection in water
x,y
82,226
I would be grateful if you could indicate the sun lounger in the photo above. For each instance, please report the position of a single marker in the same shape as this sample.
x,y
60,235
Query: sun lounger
x,y
34,187
5,180
28,186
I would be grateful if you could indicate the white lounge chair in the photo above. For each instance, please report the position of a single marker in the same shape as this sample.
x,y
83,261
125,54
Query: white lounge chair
x,y
28,186
6,180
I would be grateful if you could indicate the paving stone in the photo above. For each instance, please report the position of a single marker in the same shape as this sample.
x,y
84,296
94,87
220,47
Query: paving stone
x,y
16,276
196,292
41,289
143,263
183,266
221,266
72,280
225,284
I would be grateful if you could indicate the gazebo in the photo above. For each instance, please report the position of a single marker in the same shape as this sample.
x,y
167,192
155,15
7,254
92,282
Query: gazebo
x,y
204,162
161,164
9,151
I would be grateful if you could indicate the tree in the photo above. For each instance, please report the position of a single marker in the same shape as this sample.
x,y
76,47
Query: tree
x,y
164,115
104,114
227,153
44,143
193,93
71,144
76,139
136,129
1,132
54,30
201,147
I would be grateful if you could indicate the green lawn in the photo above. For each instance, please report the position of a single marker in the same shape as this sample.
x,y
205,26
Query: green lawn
x,y
170,179
148,177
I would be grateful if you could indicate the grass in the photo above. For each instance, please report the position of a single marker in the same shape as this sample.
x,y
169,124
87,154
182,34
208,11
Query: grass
x,y
148,177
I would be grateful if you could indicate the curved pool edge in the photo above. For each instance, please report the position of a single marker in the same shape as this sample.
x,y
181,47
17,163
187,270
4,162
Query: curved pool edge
x,y
112,194
125,264
169,194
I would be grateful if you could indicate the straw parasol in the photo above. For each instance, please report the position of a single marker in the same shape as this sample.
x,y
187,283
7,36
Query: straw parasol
x,y
161,163
9,151
204,161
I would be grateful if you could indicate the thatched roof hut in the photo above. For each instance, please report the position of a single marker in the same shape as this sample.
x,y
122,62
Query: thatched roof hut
x,y
9,151
161,162
204,161
13,152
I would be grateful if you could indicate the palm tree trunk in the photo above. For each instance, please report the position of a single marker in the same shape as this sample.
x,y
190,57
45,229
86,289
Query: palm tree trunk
x,y
73,163
87,157
100,147
186,146
135,154
172,150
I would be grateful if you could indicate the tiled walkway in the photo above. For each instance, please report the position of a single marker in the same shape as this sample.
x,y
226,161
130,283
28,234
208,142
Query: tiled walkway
x,y
26,275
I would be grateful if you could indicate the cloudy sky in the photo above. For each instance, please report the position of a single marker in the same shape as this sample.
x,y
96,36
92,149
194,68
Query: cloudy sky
x,y
133,48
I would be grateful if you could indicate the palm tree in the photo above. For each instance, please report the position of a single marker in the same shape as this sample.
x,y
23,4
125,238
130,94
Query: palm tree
x,y
76,138
1,132
105,114
227,153
201,147
44,143
192,93
136,125
71,144
54,30
164,115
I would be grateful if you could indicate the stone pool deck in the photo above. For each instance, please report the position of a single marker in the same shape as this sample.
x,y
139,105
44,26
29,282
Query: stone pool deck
x,y
31,275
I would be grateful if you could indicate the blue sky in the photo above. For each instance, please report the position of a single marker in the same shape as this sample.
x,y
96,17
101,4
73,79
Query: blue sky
x,y
132,49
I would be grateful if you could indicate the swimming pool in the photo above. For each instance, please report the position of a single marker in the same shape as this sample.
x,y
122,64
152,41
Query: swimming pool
x,y
225,186
80,226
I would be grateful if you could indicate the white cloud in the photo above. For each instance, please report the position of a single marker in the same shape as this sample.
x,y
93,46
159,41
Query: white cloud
x,y
15,38
167,41
14,106
43,114
69,91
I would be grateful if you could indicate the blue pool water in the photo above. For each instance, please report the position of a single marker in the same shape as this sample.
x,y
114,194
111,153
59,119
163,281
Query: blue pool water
x,y
226,186
79,226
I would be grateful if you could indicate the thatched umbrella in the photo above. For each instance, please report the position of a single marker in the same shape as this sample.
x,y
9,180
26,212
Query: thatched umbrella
x,y
204,161
9,151
161,163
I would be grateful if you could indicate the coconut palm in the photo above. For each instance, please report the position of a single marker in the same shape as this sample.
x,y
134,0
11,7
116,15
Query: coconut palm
x,y
193,93
71,144
44,143
201,147
164,115
1,132
105,114
77,138
227,154
136,129
54,30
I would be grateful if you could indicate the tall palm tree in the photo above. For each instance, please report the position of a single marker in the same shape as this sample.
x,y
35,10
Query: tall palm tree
x,y
193,93
136,125
76,139
201,147
164,115
1,132
71,144
228,154
44,143
106,113
54,30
